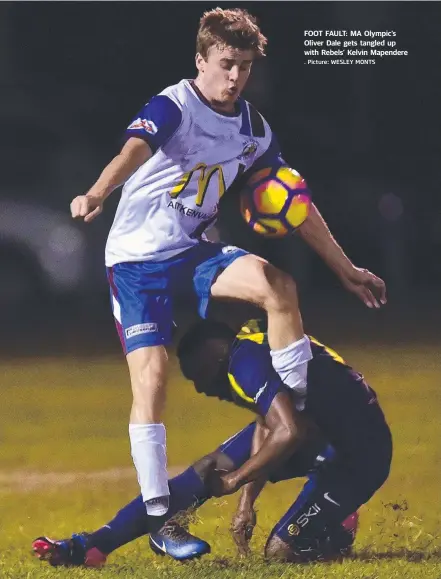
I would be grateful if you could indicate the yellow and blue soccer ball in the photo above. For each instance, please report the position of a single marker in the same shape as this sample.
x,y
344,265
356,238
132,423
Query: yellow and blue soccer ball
x,y
275,201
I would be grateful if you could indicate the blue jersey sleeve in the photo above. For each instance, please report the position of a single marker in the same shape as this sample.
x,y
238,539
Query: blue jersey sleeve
x,y
272,157
252,376
156,123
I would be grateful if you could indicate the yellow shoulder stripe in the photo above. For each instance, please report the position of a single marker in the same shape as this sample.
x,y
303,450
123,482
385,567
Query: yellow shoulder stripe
x,y
235,386
252,331
334,355
258,338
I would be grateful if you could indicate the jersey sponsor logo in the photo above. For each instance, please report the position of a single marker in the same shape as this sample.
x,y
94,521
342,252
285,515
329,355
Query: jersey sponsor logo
x,y
249,149
135,125
204,176
138,329
188,211
148,126
303,520
293,530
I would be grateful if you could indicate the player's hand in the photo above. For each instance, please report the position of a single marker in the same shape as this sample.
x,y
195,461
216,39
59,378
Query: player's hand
x,y
221,484
242,527
370,288
86,207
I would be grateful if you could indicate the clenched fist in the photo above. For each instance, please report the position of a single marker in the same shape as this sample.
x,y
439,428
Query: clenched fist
x,y
86,207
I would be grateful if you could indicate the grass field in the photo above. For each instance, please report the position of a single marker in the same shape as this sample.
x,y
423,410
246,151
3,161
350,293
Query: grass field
x,y
63,421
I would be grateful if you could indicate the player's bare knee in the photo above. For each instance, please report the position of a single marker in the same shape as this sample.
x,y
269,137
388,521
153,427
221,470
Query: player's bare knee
x,y
148,375
278,288
147,365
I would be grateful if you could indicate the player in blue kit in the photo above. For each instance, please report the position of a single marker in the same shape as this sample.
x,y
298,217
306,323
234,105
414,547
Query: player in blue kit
x,y
347,459
183,151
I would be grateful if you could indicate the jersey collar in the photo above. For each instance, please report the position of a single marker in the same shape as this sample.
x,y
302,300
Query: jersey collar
x,y
237,106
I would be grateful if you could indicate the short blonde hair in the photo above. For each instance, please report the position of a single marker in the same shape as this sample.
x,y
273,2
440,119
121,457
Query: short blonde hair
x,y
234,27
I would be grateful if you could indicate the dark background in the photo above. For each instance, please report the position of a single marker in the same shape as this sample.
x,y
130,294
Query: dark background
x,y
366,138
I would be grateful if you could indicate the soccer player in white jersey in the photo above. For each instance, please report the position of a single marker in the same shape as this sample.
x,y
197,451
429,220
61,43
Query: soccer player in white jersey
x,y
183,150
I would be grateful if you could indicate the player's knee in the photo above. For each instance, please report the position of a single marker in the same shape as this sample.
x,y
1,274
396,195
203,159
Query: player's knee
x,y
277,289
216,460
380,471
375,471
148,374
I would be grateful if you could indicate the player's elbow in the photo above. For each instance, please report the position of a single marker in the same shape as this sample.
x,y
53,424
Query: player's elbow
x,y
289,435
135,153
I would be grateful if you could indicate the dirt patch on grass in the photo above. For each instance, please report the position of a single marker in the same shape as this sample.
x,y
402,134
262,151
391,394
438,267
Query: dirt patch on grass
x,y
25,481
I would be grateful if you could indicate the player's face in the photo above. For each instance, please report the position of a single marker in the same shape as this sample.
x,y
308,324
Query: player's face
x,y
223,75
208,369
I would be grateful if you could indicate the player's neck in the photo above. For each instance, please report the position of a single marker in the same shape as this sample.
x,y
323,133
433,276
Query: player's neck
x,y
227,108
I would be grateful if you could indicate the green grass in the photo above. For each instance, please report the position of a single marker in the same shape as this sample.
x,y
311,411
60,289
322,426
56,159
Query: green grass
x,y
71,415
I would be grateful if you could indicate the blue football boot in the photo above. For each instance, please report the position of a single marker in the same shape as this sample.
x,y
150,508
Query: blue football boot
x,y
73,552
174,540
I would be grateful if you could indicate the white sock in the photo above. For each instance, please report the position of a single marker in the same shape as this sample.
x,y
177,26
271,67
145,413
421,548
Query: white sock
x,y
150,458
291,364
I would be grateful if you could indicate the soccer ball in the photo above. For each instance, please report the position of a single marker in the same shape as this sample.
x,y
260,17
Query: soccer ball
x,y
275,201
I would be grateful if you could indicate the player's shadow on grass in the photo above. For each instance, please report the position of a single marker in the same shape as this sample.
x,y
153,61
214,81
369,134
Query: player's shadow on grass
x,y
404,554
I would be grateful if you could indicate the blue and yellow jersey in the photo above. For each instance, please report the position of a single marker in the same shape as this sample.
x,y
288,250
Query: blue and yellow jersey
x,y
253,380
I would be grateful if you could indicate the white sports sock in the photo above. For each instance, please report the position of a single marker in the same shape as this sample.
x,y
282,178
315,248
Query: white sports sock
x,y
150,458
291,364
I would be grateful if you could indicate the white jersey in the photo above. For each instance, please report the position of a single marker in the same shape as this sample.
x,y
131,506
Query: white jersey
x,y
171,199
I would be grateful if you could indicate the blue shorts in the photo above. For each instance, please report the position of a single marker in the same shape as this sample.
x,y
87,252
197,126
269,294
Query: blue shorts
x,y
144,294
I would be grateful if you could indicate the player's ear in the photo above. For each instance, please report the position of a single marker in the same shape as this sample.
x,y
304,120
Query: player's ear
x,y
200,62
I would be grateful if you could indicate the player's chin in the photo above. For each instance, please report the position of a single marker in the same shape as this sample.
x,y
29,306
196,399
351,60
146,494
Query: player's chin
x,y
229,96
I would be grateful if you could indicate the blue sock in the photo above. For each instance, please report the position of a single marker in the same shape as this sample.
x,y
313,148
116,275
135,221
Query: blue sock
x,y
186,490
132,521
129,523
323,502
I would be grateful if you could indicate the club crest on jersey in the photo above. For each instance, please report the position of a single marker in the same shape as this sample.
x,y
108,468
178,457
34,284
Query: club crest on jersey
x,y
249,149
148,126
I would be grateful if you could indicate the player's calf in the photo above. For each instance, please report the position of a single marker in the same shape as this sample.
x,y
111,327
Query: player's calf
x,y
147,367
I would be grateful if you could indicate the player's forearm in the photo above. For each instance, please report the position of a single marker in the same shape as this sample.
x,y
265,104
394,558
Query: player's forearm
x,y
135,153
278,445
317,235
252,490
115,174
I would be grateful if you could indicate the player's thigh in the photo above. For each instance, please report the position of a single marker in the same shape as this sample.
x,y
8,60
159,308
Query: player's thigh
x,y
141,304
253,279
348,413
